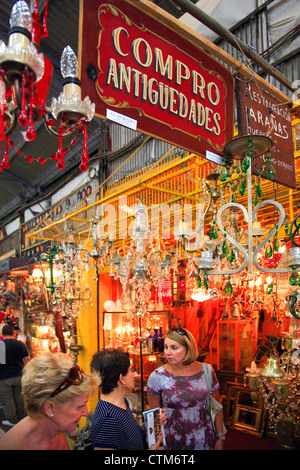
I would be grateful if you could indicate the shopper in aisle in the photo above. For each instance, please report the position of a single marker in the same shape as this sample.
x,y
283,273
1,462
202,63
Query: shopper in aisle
x,y
13,356
181,388
113,425
56,392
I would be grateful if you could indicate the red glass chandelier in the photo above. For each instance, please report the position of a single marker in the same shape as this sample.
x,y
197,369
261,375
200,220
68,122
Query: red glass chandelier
x,y
25,77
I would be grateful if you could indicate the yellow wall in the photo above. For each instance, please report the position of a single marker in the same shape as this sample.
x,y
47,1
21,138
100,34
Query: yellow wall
x,y
87,323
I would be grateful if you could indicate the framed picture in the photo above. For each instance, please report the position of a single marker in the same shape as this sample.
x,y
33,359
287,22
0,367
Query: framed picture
x,y
229,404
246,417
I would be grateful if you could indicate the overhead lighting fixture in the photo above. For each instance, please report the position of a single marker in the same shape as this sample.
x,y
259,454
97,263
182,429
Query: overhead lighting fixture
x,y
25,77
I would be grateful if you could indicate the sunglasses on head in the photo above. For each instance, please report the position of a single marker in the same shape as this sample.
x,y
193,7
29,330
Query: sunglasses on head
x,y
74,377
180,331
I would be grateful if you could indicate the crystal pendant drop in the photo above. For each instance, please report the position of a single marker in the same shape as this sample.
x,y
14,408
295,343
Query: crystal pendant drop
x,y
214,231
223,174
245,164
276,242
270,289
199,282
271,173
231,256
224,247
242,188
205,281
258,189
286,227
228,288
293,279
269,251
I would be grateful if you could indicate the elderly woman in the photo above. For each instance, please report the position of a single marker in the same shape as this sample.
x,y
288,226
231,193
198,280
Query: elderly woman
x,y
56,392
180,386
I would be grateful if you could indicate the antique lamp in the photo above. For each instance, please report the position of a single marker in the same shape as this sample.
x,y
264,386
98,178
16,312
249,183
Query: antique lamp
x,y
21,66
25,77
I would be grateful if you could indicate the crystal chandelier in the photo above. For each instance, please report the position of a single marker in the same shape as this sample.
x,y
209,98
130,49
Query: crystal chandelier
x,y
139,266
25,77
234,238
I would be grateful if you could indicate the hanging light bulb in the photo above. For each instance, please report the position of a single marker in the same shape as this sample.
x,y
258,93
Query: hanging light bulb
x,y
21,66
69,109
20,54
69,63
20,24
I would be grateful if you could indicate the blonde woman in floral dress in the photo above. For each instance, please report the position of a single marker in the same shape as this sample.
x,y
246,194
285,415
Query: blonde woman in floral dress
x,y
180,387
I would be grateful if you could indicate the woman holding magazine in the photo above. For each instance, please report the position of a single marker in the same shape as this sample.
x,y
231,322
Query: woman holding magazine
x,y
180,387
113,425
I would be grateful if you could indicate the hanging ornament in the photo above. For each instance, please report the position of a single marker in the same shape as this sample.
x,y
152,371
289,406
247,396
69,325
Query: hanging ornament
x,y
228,289
23,118
60,154
84,157
213,230
2,105
245,164
45,30
271,173
242,186
225,245
199,282
231,255
205,281
223,176
270,288
5,161
293,278
286,227
276,242
269,251
30,134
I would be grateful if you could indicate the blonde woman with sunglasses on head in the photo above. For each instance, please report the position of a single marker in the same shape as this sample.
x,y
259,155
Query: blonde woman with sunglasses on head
x,y
180,387
56,392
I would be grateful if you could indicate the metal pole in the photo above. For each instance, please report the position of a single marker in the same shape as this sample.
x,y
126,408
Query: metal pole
x,y
222,31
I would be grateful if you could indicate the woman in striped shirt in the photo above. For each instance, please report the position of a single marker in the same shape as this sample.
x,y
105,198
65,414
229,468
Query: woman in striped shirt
x,y
113,426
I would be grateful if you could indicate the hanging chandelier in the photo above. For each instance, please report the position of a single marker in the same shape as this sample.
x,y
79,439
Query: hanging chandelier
x,y
25,77
140,266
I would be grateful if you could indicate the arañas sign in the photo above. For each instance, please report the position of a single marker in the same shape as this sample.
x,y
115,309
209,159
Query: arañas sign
x,y
152,79
260,113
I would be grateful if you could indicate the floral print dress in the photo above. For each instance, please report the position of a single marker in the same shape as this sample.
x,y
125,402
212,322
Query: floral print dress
x,y
188,424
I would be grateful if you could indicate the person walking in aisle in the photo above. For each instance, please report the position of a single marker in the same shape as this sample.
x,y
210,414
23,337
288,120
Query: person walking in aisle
x,y
13,356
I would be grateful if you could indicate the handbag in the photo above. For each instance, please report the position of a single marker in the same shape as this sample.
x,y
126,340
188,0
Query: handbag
x,y
213,405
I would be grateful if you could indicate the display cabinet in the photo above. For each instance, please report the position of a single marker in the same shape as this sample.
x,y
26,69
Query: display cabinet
x,y
42,337
143,339
233,345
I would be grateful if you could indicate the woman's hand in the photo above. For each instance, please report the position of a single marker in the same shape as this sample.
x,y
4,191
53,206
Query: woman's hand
x,y
219,445
158,444
162,418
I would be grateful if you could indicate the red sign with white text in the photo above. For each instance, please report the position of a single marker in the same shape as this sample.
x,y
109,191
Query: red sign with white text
x,y
151,77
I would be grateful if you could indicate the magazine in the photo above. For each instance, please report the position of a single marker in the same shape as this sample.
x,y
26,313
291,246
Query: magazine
x,y
153,425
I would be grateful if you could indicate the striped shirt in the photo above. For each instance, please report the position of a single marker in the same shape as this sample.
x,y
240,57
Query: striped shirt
x,y
115,428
